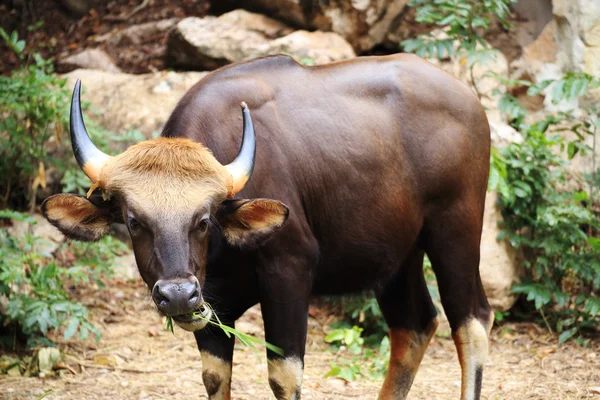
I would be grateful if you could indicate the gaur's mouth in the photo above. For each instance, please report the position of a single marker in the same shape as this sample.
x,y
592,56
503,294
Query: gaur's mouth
x,y
195,320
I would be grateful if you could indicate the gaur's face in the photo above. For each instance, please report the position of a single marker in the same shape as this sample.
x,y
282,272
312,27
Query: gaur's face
x,y
173,197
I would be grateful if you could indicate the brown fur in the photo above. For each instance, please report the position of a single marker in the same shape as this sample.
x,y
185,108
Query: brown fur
x,y
254,220
76,217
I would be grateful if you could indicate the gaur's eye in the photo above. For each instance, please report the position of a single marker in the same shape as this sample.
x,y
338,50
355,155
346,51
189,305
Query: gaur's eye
x,y
203,224
133,223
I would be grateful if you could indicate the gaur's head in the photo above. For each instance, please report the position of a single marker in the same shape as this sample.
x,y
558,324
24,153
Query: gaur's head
x,y
173,196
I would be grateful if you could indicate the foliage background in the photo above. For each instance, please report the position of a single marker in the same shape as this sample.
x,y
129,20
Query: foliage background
x,y
550,215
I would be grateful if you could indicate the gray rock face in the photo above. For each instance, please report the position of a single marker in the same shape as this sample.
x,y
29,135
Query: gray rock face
x,y
578,34
499,265
363,23
49,238
91,59
212,42
141,33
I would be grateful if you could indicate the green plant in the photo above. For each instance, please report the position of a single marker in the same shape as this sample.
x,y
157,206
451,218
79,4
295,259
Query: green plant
x,y
34,105
32,112
546,213
367,361
463,20
351,338
34,286
558,229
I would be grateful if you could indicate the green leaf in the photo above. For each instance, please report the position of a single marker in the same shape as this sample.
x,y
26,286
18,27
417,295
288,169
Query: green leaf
x,y
592,306
566,335
594,242
71,328
572,150
335,336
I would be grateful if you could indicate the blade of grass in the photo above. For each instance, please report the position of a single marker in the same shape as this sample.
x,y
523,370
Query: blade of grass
x,y
245,339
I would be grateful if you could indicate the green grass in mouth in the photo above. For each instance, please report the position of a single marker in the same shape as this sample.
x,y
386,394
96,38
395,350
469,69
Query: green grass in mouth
x,y
245,339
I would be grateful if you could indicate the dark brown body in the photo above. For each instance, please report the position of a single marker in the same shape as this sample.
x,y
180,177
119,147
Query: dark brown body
x,y
379,160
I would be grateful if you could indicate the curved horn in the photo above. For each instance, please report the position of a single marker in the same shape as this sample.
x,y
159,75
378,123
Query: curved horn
x,y
241,168
90,159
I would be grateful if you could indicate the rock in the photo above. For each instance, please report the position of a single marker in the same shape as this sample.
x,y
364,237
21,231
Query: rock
x,y
503,134
268,27
543,49
210,42
122,102
79,7
578,34
48,237
499,264
89,58
534,15
141,33
47,359
363,23
313,47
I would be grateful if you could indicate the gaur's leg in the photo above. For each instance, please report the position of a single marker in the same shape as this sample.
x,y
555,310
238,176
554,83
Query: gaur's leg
x,y
215,347
285,327
452,244
284,305
216,350
412,320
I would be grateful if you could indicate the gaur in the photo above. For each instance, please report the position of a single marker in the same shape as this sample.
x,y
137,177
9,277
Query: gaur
x,y
356,171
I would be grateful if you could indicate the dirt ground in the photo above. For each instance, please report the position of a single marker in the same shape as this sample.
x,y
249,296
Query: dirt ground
x,y
137,359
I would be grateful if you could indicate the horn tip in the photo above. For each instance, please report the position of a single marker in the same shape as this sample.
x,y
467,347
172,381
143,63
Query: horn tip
x,y
244,105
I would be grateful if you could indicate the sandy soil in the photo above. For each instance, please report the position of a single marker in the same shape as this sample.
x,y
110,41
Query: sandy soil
x,y
137,359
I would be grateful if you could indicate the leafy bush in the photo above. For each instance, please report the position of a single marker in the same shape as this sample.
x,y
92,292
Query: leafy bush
x,y
362,332
463,20
34,107
33,102
550,216
369,362
34,287
547,215
558,230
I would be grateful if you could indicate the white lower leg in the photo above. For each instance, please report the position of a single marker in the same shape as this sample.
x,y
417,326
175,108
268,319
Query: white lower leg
x,y
285,378
471,341
216,375
407,350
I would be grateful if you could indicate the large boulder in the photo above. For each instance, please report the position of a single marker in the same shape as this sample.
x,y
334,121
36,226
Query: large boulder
x,y
499,265
140,33
578,34
311,48
212,42
90,59
48,238
122,102
363,23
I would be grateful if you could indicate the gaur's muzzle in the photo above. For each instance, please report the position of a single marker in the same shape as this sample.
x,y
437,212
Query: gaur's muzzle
x,y
178,296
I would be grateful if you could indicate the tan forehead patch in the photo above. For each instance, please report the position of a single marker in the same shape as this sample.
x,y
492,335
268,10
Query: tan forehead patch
x,y
166,172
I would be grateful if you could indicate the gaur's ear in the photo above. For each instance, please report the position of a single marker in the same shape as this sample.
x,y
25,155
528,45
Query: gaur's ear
x,y
250,222
80,218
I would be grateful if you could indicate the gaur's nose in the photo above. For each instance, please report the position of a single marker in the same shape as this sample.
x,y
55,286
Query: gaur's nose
x,y
178,296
